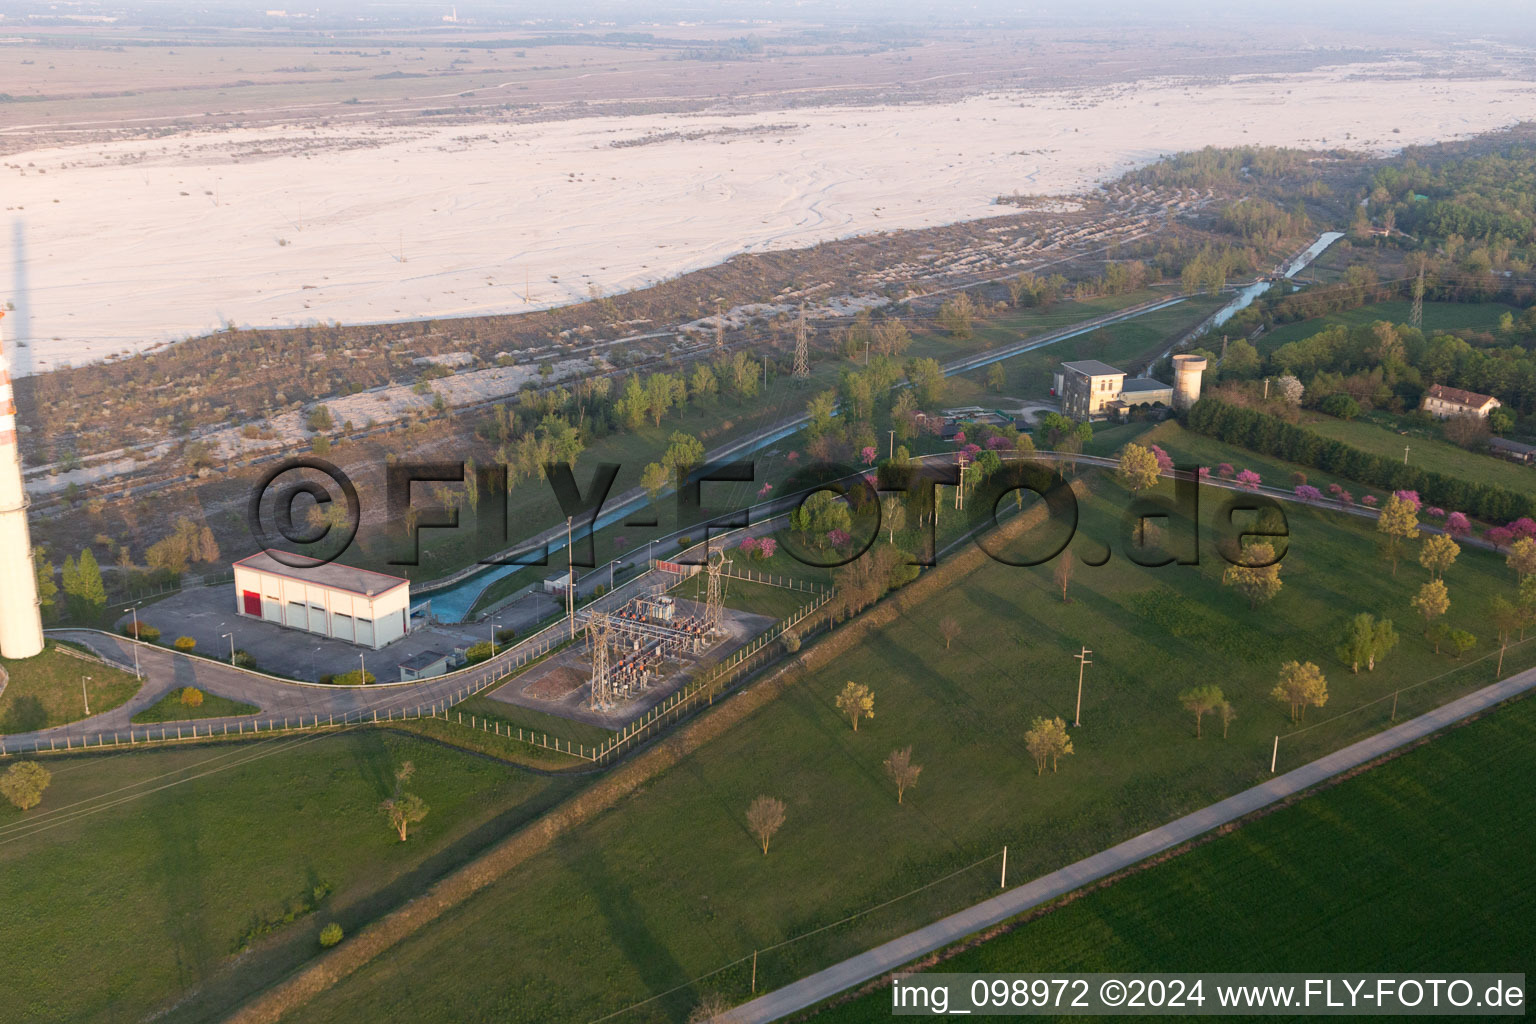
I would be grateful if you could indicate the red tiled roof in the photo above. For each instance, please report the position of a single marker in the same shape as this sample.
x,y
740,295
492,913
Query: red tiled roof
x,y
1470,399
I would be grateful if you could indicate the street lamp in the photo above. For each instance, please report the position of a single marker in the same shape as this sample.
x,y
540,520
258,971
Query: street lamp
x,y
135,610
312,669
84,696
231,637
494,624
362,670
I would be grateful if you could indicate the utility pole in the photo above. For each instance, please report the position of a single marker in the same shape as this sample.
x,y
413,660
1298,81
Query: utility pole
x,y
136,673
1416,318
892,453
1406,450
1083,661
570,579
960,490
1003,882
84,696
1266,389
1274,756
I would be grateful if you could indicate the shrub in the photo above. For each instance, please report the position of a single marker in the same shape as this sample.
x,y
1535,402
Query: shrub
x,y
244,659
505,636
477,652
192,697
185,643
791,641
330,935
1342,406
147,633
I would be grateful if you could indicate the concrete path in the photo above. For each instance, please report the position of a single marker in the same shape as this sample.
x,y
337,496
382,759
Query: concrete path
x,y
890,956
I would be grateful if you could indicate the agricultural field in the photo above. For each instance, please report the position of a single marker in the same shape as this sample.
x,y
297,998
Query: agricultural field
x,y
1427,848
206,850
1439,317
669,886
52,689
1377,435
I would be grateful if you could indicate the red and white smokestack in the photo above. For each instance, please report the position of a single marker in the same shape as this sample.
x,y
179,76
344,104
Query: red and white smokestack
x,y
21,622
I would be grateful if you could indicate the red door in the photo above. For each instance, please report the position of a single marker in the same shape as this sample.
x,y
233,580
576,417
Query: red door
x,y
252,603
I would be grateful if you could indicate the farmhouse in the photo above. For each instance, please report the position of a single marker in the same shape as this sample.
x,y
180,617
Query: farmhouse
x,y
366,608
1513,450
1446,402
1092,390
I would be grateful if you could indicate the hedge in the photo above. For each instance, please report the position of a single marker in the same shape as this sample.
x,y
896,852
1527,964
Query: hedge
x,y
1270,435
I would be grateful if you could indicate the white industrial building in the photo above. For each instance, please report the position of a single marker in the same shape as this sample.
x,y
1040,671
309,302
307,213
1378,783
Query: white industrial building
x,y
362,607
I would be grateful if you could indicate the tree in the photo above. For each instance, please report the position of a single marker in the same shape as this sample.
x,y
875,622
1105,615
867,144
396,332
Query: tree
x,y
1365,640
997,377
956,313
1258,577
856,701
330,935
1200,701
1461,641
1438,554
893,515
1228,716
1062,572
82,581
191,697
1398,523
949,629
1522,558
404,809
765,817
1301,685
684,452
655,478
1138,467
47,590
320,419
1432,602
23,784
927,379
1047,740
710,1009
902,771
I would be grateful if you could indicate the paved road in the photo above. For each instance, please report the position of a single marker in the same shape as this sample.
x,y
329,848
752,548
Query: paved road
x,y
890,956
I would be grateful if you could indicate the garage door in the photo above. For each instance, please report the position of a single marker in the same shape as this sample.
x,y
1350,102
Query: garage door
x,y
252,603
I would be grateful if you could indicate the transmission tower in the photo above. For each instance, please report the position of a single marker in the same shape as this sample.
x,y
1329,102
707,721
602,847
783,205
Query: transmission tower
x,y
714,597
802,369
597,643
1416,318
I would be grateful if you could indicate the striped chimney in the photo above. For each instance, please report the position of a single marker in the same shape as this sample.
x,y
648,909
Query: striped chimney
x,y
21,623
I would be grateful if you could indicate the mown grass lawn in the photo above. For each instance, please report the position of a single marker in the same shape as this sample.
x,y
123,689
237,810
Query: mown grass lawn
x,y
670,886
1425,451
171,708
1420,864
45,690
132,884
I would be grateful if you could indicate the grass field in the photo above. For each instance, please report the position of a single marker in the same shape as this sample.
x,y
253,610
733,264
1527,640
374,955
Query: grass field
x,y
1427,850
670,887
45,690
171,709
1439,317
1428,452
134,882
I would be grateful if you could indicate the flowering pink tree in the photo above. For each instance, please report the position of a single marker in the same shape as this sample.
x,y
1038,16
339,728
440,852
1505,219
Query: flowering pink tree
x,y
1435,513
1457,524
1249,480
1345,498
1411,497
766,547
1204,473
1225,471
1306,492
748,545
1523,527
868,454
1164,460
1370,500
762,492
793,456
1499,536
1334,489
959,437
997,442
